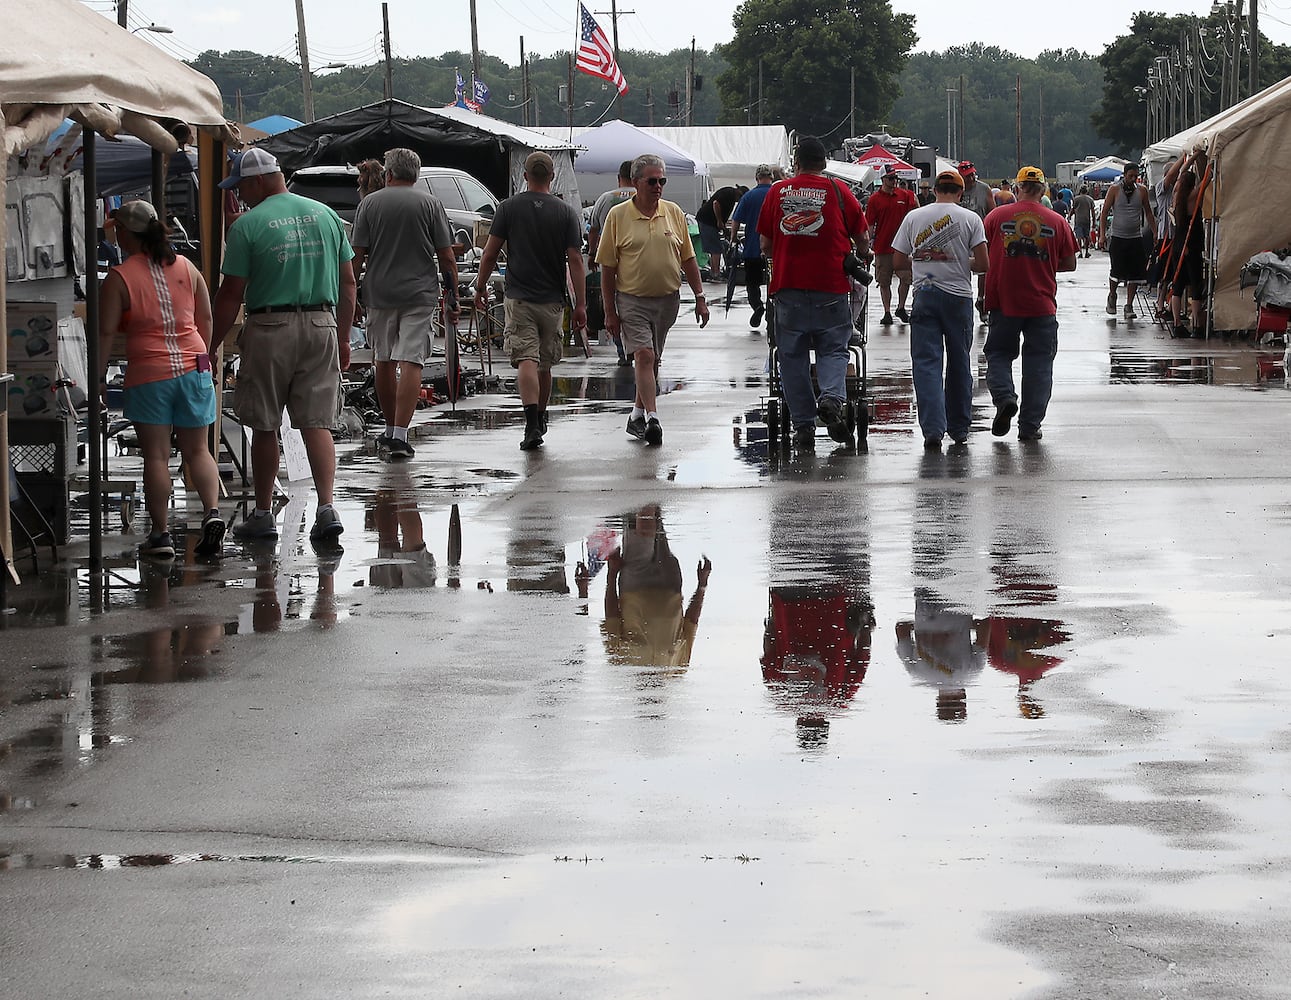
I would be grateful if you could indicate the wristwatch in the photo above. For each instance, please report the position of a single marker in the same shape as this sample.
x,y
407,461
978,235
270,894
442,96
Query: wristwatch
x,y
700,295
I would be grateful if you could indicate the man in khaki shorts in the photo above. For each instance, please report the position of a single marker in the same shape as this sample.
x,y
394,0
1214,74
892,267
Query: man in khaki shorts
x,y
643,250
402,231
288,258
543,235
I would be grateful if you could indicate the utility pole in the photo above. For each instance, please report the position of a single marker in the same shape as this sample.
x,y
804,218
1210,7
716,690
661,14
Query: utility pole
x,y
960,144
851,107
302,49
650,106
615,14
241,112
1041,163
524,86
690,85
1255,47
1017,119
569,94
1237,51
759,90
385,30
475,47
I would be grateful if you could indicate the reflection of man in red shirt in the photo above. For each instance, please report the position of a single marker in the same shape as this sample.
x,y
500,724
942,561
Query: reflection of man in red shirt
x,y
884,211
1011,645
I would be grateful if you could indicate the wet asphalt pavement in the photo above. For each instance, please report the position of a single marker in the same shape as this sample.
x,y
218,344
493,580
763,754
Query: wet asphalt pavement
x,y
1008,720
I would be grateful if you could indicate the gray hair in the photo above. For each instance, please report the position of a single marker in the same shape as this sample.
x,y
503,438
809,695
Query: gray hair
x,y
643,161
402,164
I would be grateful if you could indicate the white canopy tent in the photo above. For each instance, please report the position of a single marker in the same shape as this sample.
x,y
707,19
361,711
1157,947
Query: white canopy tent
x,y
732,152
854,174
60,59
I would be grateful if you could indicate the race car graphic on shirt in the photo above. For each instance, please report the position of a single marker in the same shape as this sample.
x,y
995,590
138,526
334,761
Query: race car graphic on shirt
x,y
1027,235
931,241
802,211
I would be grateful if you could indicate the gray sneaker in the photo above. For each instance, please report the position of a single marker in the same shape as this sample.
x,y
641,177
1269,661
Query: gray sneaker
x,y
637,427
255,525
327,526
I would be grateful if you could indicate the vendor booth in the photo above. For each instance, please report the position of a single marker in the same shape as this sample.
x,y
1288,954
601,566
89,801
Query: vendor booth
x,y
733,152
608,145
1102,171
491,150
111,84
878,159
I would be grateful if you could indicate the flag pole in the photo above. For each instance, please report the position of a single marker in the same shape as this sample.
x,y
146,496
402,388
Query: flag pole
x,y
573,55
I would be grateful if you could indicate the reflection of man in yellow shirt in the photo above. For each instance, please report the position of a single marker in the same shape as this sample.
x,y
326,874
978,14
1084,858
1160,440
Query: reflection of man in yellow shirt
x,y
644,621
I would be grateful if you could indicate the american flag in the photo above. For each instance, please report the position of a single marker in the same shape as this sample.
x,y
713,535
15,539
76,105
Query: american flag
x,y
595,57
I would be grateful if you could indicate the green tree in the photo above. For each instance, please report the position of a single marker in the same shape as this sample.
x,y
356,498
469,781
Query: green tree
x,y
806,51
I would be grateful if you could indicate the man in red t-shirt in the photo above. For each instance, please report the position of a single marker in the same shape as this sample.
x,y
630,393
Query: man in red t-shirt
x,y
884,212
1028,245
806,227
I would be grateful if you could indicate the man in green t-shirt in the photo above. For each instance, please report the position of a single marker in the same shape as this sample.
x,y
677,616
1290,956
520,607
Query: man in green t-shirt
x,y
289,261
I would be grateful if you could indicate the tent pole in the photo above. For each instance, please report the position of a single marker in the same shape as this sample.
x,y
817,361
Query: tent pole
x,y
93,361
1214,248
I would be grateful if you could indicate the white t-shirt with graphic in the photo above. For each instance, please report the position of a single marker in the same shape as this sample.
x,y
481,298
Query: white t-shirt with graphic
x,y
939,240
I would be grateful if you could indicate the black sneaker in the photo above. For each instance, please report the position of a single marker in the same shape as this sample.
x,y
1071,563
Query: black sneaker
x,y
886,320
833,414
327,526
1004,414
400,450
932,444
383,441
959,438
654,432
637,427
1034,435
158,546
212,539
542,422
625,362
902,315
532,438
804,440
756,319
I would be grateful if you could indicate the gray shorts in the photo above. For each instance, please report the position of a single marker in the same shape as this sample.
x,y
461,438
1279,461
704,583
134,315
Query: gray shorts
x,y
401,334
644,321
289,360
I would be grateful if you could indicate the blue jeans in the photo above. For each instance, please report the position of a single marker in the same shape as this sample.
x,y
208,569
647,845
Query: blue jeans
x,y
941,334
1038,336
807,321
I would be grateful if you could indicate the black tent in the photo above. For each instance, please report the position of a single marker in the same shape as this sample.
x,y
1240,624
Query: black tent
x,y
489,149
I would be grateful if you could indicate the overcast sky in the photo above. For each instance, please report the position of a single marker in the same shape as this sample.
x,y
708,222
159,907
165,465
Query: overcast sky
x,y
349,30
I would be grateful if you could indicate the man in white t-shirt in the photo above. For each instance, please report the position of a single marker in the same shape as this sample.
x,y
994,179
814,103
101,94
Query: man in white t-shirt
x,y
944,244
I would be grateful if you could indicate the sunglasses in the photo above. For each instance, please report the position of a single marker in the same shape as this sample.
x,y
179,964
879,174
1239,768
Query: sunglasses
x,y
656,181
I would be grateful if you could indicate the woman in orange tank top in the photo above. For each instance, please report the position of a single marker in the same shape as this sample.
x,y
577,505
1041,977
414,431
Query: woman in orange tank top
x,y
160,302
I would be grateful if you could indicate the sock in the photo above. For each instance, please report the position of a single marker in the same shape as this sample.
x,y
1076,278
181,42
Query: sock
x,y
637,412
323,507
389,430
399,433
652,415
260,512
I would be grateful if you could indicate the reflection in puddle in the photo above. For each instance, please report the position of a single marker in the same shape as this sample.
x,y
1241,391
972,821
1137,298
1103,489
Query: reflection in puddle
x,y
111,862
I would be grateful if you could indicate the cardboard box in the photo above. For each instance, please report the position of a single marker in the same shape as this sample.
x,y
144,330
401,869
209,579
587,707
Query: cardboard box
x,y
31,393
32,329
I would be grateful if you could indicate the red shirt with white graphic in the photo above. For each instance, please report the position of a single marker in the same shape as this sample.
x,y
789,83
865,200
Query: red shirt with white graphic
x,y
808,219
1026,242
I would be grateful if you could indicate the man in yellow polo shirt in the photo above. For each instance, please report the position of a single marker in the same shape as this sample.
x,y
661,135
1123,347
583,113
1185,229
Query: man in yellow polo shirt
x,y
645,246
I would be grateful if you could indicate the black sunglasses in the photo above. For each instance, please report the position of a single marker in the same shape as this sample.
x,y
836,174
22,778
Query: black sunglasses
x,y
656,181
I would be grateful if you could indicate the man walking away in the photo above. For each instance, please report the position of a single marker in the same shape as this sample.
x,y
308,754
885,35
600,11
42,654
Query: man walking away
x,y
289,260
1027,244
755,265
401,231
884,211
1130,208
712,218
977,197
943,244
600,210
1082,217
543,236
806,226
644,249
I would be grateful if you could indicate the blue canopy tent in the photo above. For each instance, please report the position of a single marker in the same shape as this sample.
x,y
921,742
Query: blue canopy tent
x,y
273,124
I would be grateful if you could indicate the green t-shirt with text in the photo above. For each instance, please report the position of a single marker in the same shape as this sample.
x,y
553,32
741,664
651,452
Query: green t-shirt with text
x,y
289,249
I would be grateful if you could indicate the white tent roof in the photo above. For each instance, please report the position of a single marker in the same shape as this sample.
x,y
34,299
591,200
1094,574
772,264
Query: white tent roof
x,y
853,173
535,138
60,59
1115,162
610,144
732,152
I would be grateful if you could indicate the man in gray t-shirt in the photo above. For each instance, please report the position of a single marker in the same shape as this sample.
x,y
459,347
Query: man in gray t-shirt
x,y
400,232
543,235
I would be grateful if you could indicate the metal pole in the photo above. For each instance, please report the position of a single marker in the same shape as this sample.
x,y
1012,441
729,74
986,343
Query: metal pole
x,y
1255,47
524,86
302,49
1017,121
475,44
961,145
385,30
93,362
851,106
759,90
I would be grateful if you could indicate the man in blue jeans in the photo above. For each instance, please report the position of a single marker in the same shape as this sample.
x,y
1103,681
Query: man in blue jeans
x,y
1028,245
944,245
746,213
806,226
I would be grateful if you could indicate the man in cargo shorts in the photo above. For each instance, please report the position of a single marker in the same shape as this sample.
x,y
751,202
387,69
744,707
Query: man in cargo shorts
x,y
289,260
542,235
643,251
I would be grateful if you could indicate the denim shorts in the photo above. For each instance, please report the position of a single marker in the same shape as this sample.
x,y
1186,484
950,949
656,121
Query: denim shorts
x,y
187,401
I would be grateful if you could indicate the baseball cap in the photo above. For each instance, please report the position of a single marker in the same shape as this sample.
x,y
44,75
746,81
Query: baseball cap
x,y
950,177
254,162
966,167
540,165
812,149
1030,175
135,216
890,170
764,170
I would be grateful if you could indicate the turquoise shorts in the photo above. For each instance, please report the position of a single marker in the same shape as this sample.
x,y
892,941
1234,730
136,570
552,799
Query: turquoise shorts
x,y
187,401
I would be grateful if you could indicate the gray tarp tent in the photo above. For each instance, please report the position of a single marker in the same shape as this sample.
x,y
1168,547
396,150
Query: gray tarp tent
x,y
491,150
112,82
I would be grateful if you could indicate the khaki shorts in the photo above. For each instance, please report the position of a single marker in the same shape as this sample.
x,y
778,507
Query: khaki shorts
x,y
644,321
533,332
401,334
883,270
288,360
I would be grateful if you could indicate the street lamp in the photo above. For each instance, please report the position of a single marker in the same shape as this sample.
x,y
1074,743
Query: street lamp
x,y
307,82
156,29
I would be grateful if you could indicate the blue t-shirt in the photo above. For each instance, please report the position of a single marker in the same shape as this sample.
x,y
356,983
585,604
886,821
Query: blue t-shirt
x,y
746,212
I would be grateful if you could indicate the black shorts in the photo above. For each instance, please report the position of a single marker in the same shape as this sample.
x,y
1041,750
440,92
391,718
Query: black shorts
x,y
1192,275
1129,258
